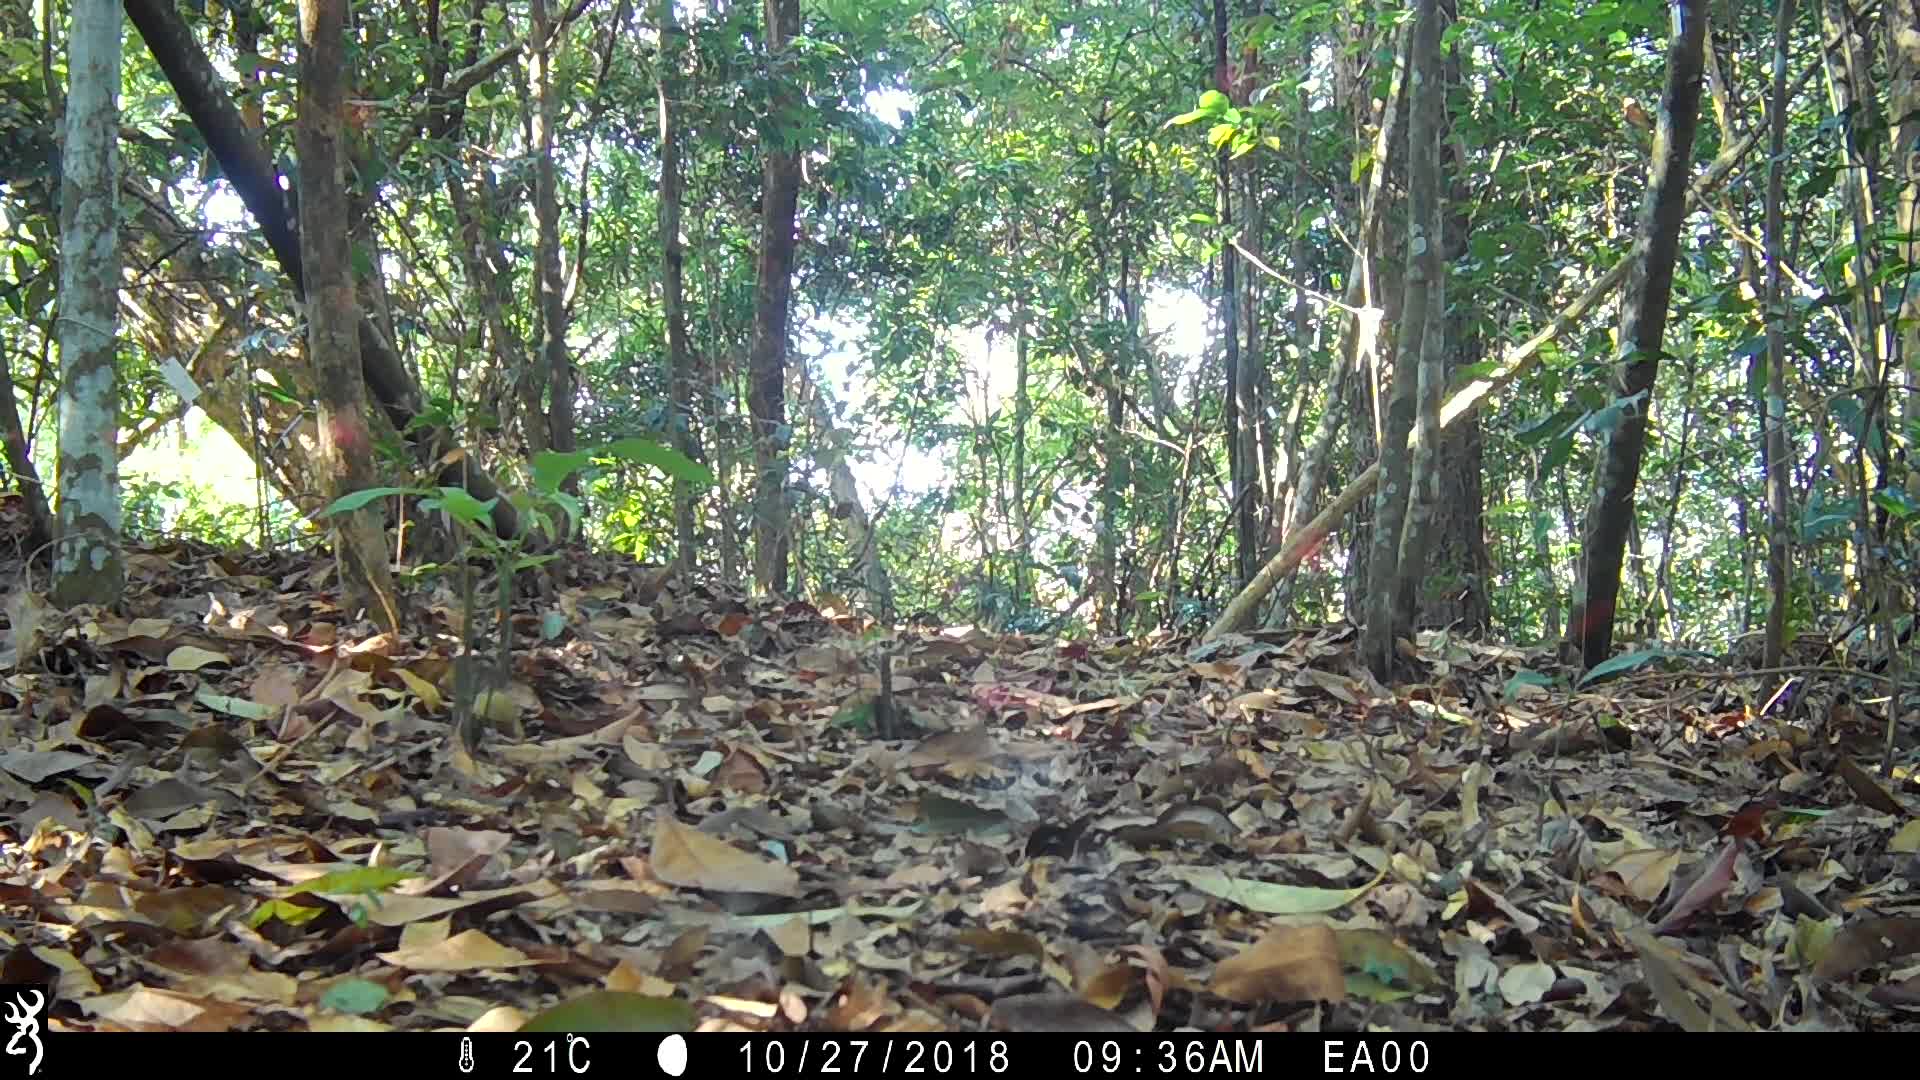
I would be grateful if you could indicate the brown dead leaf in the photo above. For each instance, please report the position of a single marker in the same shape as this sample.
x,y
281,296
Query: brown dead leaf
x,y
469,950
1339,686
961,754
1153,964
1108,986
741,772
1645,874
193,658
188,910
689,858
1673,981
1706,888
1291,963
147,1009
278,685
1001,943
1483,898
1866,788
1865,943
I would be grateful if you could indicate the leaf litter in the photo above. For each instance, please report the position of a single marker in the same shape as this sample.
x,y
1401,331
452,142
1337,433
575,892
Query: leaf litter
x,y
238,808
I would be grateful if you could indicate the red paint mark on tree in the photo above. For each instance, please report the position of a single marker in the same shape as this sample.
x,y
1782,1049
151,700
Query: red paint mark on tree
x,y
349,435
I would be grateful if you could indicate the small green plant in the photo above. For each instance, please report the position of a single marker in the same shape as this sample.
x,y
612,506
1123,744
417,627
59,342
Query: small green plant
x,y
477,688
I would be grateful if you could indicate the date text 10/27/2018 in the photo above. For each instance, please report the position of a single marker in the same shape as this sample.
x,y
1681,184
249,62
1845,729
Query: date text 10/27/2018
x,y
1106,1056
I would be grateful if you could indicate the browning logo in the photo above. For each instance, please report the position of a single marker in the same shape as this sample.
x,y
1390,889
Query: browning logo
x,y
23,1008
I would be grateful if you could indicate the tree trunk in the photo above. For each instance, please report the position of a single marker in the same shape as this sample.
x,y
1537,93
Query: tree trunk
x,y
88,566
1903,99
19,459
673,285
1385,620
1022,414
1459,567
244,162
862,542
1240,468
1773,443
554,358
1643,323
1307,537
773,295
1423,487
1850,93
1362,346
333,345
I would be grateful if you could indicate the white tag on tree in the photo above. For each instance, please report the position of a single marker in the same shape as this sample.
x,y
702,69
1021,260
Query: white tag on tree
x,y
181,382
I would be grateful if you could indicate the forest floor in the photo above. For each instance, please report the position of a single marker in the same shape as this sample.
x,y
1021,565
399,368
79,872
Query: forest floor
x,y
234,807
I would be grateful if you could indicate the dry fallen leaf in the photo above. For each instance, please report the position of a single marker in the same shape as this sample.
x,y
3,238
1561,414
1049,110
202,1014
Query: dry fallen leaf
x,y
690,858
1290,963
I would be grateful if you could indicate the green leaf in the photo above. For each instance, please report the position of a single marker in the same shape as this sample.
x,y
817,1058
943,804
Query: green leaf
x,y
359,879
614,1010
647,452
1628,661
286,911
1553,425
1750,348
571,505
1523,677
1816,526
1897,502
356,997
461,505
1212,103
1558,451
1266,897
551,468
234,706
354,500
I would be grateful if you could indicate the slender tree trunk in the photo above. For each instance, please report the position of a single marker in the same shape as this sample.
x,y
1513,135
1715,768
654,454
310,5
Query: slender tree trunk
x,y
88,566
1459,567
767,391
1643,323
546,203
333,317
1362,347
19,458
833,455
1384,617
1423,491
1516,361
1022,414
1240,470
1669,532
244,161
673,283
1903,104
1113,481
1850,94
1773,445
1541,525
